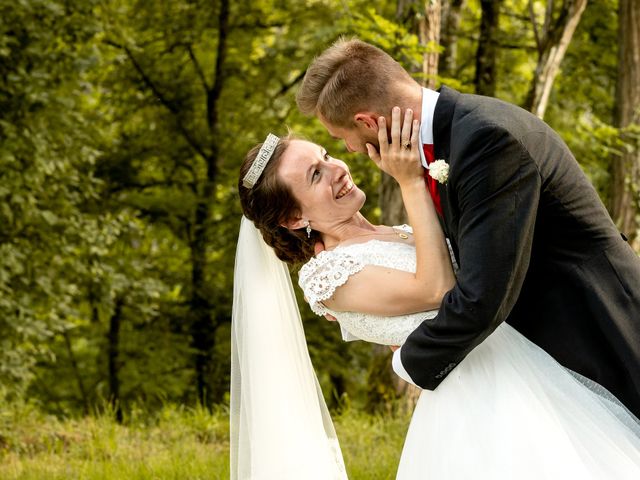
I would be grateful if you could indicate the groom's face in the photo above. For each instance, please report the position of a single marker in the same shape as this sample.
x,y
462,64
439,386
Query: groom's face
x,y
354,138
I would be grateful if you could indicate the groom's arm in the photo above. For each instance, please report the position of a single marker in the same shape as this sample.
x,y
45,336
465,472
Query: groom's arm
x,y
497,187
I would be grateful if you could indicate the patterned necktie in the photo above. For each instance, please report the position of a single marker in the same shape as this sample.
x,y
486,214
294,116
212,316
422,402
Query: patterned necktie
x,y
432,185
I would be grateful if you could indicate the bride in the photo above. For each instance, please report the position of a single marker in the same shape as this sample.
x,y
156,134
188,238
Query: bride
x,y
507,411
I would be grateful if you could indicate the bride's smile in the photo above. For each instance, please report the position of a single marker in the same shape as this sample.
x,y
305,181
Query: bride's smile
x,y
347,189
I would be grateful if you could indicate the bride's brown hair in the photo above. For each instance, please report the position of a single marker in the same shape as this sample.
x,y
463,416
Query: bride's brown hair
x,y
270,203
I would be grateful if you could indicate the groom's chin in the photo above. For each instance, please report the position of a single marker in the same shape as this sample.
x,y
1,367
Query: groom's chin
x,y
363,148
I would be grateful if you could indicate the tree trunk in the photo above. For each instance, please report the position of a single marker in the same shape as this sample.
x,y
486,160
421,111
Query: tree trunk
x,y
625,169
430,36
76,373
485,79
422,18
449,37
390,201
427,27
339,389
204,325
113,352
552,42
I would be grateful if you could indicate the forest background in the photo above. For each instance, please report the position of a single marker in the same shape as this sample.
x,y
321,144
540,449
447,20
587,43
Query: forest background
x,y
122,127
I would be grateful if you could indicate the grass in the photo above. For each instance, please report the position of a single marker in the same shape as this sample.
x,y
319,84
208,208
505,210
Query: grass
x,y
371,444
175,443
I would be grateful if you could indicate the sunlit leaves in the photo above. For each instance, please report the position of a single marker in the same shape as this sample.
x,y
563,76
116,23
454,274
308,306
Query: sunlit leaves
x,y
104,141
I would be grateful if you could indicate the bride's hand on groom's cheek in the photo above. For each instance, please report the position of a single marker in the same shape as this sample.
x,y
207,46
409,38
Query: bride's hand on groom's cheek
x,y
401,157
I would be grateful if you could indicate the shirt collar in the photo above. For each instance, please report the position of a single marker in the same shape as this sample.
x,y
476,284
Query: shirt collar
x,y
429,99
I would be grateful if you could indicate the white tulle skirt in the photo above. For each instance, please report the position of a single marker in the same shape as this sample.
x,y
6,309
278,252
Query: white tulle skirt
x,y
509,411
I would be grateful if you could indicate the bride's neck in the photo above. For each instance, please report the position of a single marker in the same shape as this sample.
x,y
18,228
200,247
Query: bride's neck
x,y
356,226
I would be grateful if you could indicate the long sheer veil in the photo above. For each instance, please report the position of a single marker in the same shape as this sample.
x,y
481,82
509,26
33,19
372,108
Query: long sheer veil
x,y
280,425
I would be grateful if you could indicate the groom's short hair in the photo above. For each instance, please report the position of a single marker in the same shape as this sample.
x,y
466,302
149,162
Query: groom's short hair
x,y
348,77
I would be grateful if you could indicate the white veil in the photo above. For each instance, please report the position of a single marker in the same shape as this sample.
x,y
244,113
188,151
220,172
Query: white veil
x,y
280,425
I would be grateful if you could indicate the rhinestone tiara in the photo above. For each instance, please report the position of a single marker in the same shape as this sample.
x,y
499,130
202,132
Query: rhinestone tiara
x,y
267,149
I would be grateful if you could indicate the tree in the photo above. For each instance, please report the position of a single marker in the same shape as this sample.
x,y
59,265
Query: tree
x,y
624,204
486,55
204,143
210,78
429,35
451,18
552,40
47,153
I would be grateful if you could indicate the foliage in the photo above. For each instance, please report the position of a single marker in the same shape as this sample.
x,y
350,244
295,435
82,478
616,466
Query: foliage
x,y
122,126
46,155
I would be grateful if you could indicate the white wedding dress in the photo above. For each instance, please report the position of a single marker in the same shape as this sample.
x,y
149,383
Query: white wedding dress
x,y
508,411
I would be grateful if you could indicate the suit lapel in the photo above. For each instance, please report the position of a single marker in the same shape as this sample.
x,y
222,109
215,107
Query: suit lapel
x,y
442,120
446,207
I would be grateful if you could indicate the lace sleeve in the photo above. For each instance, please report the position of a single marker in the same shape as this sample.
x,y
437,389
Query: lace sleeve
x,y
320,277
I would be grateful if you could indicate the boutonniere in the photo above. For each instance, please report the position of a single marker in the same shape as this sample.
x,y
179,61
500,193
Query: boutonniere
x,y
439,170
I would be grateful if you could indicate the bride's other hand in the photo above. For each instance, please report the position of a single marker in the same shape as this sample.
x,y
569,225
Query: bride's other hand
x,y
318,247
401,158
328,316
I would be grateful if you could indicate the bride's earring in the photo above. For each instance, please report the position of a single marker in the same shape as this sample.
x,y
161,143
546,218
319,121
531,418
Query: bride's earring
x,y
308,229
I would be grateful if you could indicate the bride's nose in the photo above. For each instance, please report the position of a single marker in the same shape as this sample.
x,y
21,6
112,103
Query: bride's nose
x,y
337,171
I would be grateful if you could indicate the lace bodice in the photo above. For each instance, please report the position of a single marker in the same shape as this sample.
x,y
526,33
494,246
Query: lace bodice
x,y
321,275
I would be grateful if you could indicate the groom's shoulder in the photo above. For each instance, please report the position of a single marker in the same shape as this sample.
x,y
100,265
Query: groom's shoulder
x,y
490,110
469,107
476,115
474,127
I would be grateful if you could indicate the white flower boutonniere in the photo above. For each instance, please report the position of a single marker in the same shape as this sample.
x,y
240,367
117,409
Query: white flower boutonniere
x,y
439,170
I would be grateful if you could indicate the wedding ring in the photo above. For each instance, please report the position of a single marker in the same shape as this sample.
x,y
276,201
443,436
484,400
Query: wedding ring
x,y
407,145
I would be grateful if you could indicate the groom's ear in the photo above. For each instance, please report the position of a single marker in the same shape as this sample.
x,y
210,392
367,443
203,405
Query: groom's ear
x,y
367,120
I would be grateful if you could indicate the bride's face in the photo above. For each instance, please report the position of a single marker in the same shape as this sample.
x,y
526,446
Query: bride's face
x,y
322,185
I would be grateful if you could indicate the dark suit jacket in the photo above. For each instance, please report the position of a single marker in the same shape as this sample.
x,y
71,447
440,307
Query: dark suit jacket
x,y
535,247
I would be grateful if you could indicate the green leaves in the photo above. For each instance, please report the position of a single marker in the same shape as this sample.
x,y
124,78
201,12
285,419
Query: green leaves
x,y
118,173
44,176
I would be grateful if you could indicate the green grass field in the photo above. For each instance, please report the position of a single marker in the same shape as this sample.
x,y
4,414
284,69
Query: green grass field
x,y
175,443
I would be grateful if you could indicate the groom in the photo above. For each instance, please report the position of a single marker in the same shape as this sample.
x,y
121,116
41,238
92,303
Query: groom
x,y
534,244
